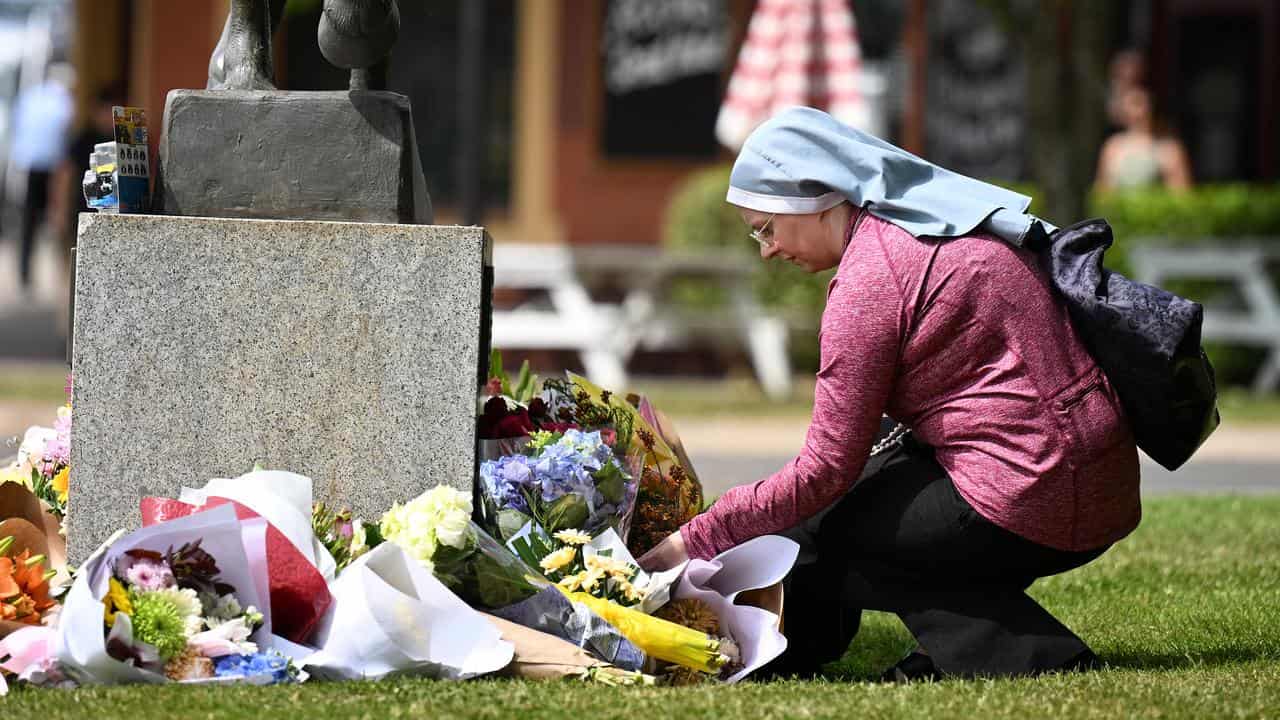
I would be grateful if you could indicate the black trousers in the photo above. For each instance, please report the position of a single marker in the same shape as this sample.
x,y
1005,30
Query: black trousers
x,y
33,211
903,540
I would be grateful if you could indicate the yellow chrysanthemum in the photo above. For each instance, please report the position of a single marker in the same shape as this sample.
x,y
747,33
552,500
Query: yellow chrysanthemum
x,y
559,558
609,565
572,537
61,482
117,600
629,591
591,578
571,582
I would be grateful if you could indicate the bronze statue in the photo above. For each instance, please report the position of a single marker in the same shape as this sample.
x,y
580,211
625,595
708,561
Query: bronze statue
x,y
357,35
242,58
353,34
243,148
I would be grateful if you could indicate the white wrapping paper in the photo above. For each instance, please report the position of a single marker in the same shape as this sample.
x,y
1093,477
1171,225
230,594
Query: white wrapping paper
x,y
283,498
657,586
757,563
392,616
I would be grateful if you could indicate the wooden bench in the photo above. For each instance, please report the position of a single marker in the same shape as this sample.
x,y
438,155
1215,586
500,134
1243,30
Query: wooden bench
x,y
606,332
1246,265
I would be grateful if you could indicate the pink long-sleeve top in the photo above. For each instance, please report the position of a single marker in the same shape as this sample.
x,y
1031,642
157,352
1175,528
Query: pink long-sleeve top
x,y
963,341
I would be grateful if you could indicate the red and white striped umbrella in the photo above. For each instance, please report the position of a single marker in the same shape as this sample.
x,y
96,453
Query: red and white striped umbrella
x,y
797,52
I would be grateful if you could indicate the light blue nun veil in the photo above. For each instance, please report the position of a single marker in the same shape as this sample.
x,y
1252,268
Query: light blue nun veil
x,y
803,160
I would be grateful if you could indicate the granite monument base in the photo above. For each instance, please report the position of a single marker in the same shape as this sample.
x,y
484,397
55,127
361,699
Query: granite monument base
x,y
348,155
347,352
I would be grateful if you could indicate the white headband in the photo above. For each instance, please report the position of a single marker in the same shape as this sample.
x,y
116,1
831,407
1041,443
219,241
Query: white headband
x,y
782,204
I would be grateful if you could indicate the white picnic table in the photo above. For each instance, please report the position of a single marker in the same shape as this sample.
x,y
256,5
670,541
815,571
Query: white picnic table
x,y
1244,263
562,313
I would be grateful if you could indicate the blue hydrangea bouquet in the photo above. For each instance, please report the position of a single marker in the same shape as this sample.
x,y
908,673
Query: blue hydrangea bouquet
x,y
572,479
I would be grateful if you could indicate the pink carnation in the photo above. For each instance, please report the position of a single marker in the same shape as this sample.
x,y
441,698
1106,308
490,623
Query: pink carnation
x,y
147,574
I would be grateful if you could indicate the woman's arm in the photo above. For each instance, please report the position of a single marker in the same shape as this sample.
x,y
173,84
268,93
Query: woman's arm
x,y
1174,165
1106,160
862,330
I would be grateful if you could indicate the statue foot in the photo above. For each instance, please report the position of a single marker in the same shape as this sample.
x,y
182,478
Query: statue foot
x,y
244,77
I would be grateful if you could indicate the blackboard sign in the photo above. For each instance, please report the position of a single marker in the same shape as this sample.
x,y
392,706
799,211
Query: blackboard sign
x,y
975,111
663,67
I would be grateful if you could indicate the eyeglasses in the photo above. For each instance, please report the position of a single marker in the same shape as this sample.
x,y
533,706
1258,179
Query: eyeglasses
x,y
766,241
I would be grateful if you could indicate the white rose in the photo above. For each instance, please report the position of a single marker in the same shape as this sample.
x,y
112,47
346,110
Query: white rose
x,y
452,527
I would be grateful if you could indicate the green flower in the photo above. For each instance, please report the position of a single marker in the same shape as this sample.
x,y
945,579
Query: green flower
x,y
165,619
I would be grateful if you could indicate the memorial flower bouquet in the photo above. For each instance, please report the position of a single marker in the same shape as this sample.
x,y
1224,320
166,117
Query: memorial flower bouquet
x,y
181,600
171,612
344,536
559,481
43,463
436,530
24,586
669,494
565,561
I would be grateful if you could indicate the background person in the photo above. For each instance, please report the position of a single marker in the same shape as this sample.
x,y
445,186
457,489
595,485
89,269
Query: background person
x,y
42,116
1144,153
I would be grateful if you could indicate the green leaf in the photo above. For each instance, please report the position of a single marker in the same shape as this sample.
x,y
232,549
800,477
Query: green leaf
x,y
567,513
510,521
495,363
611,483
524,381
524,550
498,585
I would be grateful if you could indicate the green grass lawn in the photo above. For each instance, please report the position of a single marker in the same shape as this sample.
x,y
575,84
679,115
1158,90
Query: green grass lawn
x,y
1185,614
33,382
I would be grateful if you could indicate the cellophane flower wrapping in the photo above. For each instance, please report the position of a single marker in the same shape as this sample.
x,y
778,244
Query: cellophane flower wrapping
x,y
300,565
552,612
435,529
723,584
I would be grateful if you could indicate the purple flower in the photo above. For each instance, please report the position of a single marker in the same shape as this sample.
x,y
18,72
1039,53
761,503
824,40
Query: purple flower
x,y
58,450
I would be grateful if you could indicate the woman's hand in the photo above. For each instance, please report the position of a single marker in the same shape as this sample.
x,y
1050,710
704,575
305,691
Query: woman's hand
x,y
665,555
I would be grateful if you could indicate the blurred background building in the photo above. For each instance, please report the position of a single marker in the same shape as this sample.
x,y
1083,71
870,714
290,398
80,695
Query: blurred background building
x,y
594,110
581,121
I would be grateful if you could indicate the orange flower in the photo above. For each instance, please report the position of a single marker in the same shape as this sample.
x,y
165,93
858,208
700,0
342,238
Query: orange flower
x,y
24,589
8,586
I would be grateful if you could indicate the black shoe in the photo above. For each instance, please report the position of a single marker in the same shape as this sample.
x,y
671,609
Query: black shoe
x,y
915,667
1083,662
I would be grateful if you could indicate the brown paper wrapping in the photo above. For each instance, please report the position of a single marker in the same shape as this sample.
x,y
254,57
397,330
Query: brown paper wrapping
x,y
539,656
32,529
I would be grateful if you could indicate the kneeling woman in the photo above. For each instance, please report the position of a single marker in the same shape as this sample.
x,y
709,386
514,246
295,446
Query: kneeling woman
x,y
1009,457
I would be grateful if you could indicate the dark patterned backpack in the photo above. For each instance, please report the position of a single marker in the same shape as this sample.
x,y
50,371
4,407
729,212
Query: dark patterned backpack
x,y
1145,339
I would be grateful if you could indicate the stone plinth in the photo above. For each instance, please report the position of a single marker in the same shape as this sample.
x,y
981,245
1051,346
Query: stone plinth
x,y
280,155
347,352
